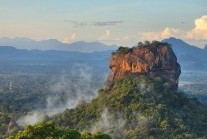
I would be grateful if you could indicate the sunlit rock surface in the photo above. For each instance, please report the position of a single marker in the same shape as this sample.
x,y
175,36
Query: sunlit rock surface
x,y
153,61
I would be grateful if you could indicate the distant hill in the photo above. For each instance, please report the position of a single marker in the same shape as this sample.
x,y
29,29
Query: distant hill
x,y
52,44
12,53
14,60
190,57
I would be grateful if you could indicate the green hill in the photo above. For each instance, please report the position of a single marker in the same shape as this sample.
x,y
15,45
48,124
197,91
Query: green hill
x,y
139,107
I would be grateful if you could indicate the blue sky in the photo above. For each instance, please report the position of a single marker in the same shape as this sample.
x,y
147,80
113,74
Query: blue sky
x,y
119,22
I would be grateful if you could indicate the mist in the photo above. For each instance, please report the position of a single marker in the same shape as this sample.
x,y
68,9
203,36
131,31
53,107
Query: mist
x,y
66,92
116,123
110,124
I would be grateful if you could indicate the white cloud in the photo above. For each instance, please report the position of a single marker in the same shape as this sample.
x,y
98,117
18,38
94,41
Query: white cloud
x,y
70,38
197,35
105,36
167,32
108,37
108,33
200,29
120,39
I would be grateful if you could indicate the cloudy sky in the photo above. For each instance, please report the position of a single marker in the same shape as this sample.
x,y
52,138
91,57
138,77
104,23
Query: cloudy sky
x,y
122,22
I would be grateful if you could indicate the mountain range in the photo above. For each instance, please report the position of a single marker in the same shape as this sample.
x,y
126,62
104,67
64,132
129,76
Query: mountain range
x,y
53,44
190,57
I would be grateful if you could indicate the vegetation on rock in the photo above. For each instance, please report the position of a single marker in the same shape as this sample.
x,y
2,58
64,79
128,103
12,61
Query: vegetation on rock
x,y
125,50
152,44
121,50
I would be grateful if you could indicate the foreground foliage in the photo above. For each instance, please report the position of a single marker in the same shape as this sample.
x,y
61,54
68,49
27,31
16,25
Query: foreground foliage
x,y
49,131
139,108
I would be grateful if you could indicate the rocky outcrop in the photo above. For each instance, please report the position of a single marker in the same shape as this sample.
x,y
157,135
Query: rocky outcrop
x,y
11,126
153,60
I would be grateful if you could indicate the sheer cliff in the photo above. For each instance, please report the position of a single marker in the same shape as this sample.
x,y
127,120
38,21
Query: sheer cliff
x,y
153,60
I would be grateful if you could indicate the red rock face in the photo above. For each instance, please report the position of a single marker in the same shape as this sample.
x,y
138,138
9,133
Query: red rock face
x,y
151,61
